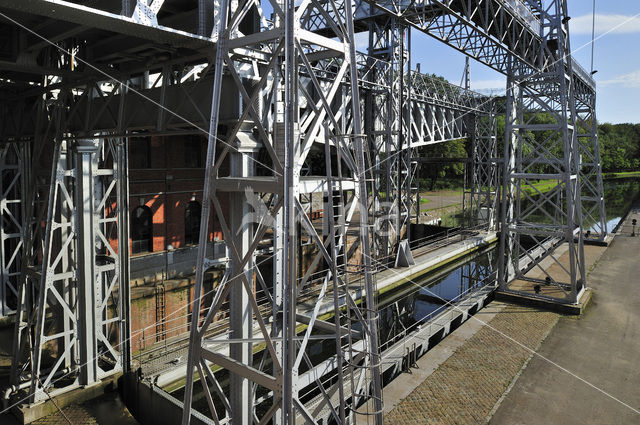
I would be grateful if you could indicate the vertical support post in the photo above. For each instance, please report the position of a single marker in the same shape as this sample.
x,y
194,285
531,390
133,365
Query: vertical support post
x,y
398,153
13,171
277,325
387,121
241,395
597,164
289,249
590,167
546,148
471,173
279,131
508,185
467,73
370,287
122,176
482,182
194,340
85,151
408,170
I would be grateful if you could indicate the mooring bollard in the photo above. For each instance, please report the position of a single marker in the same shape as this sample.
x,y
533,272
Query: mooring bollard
x,y
415,355
408,369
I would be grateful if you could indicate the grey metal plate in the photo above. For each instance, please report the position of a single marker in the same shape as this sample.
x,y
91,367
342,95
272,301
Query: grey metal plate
x,y
87,16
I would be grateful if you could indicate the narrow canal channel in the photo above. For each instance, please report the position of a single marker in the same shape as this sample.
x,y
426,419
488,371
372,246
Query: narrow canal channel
x,y
416,303
619,196
419,301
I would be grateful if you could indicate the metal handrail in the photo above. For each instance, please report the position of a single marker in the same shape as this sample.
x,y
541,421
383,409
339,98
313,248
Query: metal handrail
x,y
582,73
525,13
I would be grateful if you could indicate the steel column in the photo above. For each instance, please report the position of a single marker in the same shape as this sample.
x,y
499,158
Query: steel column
x,y
289,116
546,147
14,160
86,273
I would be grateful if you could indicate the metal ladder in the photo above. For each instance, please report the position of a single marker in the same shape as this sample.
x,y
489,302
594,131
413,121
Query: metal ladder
x,y
160,312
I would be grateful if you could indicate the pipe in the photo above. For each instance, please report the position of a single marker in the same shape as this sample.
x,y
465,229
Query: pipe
x,y
12,389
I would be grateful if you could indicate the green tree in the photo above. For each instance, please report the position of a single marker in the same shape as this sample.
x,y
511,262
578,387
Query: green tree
x,y
619,147
433,172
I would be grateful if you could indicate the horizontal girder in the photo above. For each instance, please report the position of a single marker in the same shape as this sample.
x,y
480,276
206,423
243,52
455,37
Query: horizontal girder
x,y
489,31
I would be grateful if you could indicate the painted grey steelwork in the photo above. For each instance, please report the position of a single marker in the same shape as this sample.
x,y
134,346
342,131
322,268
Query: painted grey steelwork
x,y
543,105
590,169
509,36
386,123
482,184
279,86
310,105
12,210
70,305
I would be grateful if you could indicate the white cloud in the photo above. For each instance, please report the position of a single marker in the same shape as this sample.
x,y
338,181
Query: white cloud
x,y
616,24
362,41
490,85
631,80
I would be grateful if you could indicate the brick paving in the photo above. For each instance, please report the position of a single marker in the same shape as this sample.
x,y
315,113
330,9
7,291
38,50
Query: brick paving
x,y
76,415
466,387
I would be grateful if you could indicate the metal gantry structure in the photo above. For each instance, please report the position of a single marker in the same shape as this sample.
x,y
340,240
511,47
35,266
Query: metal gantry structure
x,y
544,104
269,83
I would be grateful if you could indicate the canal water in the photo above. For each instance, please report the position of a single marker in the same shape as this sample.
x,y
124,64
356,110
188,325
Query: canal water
x,y
619,195
418,304
421,301
424,298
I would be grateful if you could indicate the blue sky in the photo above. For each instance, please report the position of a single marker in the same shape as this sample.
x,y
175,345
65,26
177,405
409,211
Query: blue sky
x,y
617,57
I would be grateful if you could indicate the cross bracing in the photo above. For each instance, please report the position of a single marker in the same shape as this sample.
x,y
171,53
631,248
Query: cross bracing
x,y
271,82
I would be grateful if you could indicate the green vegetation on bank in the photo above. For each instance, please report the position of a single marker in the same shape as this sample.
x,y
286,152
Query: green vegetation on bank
x,y
619,147
622,175
619,152
542,186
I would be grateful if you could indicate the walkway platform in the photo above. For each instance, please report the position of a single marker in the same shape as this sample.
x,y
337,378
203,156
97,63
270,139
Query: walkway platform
x,y
573,309
602,350
591,254
526,293
487,371
461,379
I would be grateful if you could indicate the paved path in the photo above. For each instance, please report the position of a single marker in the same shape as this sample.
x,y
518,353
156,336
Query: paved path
x,y
441,203
492,372
602,347
441,199
465,388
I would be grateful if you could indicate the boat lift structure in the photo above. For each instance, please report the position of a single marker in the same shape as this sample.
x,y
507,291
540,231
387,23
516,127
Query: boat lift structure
x,y
268,82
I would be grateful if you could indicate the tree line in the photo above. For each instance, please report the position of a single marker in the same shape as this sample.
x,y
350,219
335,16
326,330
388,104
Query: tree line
x,y
619,147
619,151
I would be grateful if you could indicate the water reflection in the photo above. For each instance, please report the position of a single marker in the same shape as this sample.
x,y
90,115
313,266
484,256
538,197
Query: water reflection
x,y
618,197
424,299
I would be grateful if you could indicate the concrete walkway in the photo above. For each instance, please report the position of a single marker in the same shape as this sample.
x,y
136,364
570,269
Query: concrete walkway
x,y
481,374
602,347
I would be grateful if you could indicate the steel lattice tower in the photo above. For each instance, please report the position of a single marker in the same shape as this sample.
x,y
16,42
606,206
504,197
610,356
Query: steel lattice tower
x,y
304,92
542,143
291,83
